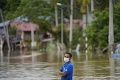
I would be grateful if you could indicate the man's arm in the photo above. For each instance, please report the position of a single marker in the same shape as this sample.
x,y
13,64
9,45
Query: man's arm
x,y
62,73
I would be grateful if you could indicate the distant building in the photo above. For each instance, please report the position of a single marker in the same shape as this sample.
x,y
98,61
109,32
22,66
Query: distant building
x,y
24,29
78,22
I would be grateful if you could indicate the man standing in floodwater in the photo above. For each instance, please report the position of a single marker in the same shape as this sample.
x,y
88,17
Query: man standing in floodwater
x,y
66,71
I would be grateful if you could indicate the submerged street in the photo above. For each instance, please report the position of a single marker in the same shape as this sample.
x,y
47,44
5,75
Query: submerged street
x,y
36,65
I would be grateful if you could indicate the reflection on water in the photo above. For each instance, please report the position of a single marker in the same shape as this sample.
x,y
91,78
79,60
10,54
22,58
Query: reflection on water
x,y
35,65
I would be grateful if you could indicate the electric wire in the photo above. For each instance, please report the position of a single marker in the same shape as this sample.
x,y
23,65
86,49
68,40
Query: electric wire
x,y
99,2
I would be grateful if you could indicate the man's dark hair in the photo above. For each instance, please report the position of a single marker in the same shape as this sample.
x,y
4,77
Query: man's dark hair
x,y
69,54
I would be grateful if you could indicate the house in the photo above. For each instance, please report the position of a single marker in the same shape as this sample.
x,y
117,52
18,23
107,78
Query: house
x,y
78,22
24,29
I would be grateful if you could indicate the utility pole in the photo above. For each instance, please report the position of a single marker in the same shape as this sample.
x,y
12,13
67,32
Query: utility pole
x,y
56,16
61,5
62,25
111,31
33,43
92,5
71,19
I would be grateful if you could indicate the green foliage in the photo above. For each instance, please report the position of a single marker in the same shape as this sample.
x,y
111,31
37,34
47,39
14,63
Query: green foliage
x,y
45,26
66,8
2,6
77,35
57,33
10,8
53,3
2,3
100,5
116,22
30,9
12,31
97,32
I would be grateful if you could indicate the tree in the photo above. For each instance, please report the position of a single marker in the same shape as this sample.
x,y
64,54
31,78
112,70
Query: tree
x,y
116,22
97,32
32,10
36,11
12,31
10,8
2,6
101,4
82,5
53,3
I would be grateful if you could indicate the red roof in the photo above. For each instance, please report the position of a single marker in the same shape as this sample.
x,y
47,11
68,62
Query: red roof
x,y
75,21
24,26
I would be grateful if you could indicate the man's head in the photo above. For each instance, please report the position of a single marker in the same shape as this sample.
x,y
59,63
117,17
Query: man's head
x,y
67,57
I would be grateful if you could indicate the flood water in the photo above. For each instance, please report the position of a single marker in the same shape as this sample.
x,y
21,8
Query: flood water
x,y
36,65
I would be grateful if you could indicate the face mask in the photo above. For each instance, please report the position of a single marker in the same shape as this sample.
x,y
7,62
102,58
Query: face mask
x,y
66,59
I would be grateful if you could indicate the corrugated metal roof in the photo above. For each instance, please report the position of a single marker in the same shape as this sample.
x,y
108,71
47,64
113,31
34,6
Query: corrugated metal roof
x,y
24,26
4,23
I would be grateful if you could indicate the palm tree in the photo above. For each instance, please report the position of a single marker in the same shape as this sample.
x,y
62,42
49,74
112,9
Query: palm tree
x,y
53,3
83,5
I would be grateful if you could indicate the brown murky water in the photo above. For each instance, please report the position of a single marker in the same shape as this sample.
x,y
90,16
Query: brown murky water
x,y
36,65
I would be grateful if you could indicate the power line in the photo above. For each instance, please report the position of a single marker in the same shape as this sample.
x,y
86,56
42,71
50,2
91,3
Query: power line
x,y
98,2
